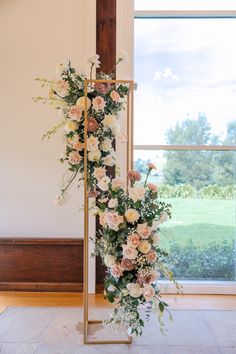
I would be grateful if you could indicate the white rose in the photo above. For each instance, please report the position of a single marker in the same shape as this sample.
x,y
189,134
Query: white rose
x,y
99,173
109,121
109,260
108,160
106,145
115,129
103,183
112,203
134,290
94,155
129,252
71,126
81,103
111,288
137,193
92,143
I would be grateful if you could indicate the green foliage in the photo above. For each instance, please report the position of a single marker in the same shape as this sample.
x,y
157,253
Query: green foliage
x,y
178,191
214,261
215,191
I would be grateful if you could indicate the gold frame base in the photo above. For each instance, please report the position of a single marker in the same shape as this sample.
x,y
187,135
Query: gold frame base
x,y
87,341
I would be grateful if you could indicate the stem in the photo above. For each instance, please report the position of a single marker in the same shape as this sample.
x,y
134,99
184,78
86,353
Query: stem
x,y
91,71
69,183
145,183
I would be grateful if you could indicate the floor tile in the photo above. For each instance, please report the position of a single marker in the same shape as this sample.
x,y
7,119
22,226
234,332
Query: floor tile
x,y
82,349
17,348
193,350
147,349
222,325
187,328
25,324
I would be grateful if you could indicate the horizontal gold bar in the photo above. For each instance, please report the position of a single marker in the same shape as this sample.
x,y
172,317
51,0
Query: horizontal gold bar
x,y
111,81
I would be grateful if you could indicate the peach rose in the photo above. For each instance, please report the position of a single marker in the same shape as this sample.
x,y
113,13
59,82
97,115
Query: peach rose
x,y
127,264
98,103
116,271
129,252
148,292
152,187
113,220
109,160
133,240
115,96
74,158
154,276
75,113
144,246
151,166
132,215
144,230
152,256
92,124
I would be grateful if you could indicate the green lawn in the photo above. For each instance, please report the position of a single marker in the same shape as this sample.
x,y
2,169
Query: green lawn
x,y
202,220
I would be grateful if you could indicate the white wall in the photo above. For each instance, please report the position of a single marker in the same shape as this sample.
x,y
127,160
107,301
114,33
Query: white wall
x,y
35,35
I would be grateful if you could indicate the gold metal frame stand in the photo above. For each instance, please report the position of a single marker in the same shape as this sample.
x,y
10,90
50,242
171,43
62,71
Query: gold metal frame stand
x,y
86,201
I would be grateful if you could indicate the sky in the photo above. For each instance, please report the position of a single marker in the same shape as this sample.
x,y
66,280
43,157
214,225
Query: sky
x,y
183,67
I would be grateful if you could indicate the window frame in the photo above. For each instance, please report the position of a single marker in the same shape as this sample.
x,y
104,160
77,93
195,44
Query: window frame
x,y
191,286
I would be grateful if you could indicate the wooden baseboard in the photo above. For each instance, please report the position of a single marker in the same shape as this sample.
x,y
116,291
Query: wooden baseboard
x,y
41,264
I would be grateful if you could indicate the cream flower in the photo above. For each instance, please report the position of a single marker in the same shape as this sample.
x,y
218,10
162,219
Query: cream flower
x,y
144,230
103,183
134,289
81,103
129,252
122,56
61,87
94,155
94,59
61,68
144,246
109,260
111,288
106,145
148,292
98,103
99,173
116,271
109,121
137,193
112,203
71,126
132,215
92,143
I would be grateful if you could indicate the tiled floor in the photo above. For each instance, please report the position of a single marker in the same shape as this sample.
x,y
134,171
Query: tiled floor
x,y
52,330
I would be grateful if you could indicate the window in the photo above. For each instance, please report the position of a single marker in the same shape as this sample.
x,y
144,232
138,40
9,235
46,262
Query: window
x,y
185,121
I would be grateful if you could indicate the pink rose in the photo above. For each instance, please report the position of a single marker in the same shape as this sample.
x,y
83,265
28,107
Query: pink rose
x,y
74,158
127,264
75,113
98,103
151,256
92,124
61,87
134,176
144,230
133,240
102,87
129,252
152,187
148,292
117,183
78,145
115,96
116,271
154,276
94,193
112,220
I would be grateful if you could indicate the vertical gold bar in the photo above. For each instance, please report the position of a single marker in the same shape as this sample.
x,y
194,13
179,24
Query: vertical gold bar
x,y
131,125
128,139
85,275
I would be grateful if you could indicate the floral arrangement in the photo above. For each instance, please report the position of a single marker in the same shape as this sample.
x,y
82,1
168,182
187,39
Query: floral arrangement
x,y
129,246
104,102
127,239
